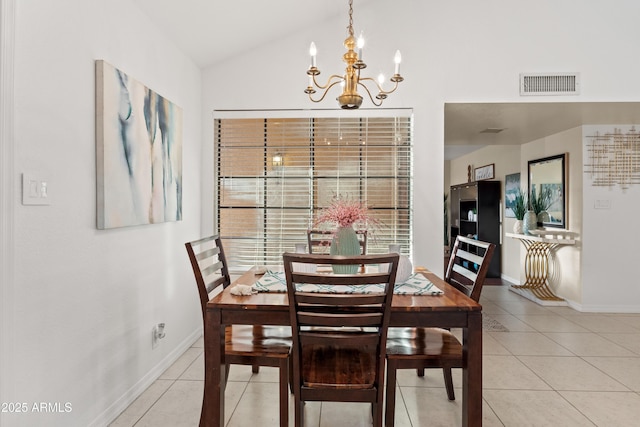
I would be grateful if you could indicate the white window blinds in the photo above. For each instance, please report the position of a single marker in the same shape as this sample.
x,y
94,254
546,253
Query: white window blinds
x,y
273,175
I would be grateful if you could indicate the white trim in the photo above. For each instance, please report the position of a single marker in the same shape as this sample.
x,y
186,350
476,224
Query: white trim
x,y
122,403
269,114
510,279
590,308
7,197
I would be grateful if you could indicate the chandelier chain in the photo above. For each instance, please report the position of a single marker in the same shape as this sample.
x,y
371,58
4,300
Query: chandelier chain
x,y
350,27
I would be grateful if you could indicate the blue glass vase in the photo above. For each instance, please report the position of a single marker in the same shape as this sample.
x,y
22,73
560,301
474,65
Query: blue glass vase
x,y
345,242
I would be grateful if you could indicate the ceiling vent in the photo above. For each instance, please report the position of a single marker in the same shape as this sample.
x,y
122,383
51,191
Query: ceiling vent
x,y
550,84
492,130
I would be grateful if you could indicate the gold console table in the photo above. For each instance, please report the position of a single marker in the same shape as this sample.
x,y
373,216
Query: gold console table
x,y
536,264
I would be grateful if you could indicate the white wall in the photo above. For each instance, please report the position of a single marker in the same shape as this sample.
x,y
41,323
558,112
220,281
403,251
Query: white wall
x,y
85,300
463,51
610,252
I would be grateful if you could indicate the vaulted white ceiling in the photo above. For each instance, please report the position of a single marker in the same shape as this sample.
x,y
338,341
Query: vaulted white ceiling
x,y
212,31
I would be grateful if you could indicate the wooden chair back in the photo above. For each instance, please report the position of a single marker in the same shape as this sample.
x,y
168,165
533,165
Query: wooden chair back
x,y
254,345
209,266
468,265
339,339
319,241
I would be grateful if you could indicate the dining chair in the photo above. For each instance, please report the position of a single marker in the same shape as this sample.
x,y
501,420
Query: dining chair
x,y
244,344
420,348
319,241
339,338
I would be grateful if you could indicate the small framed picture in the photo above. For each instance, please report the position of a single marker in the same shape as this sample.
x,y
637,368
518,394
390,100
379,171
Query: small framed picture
x,y
484,172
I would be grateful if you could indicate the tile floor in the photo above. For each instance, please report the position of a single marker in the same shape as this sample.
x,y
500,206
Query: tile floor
x,y
555,367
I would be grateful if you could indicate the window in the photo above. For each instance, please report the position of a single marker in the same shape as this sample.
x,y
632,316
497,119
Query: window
x,y
274,174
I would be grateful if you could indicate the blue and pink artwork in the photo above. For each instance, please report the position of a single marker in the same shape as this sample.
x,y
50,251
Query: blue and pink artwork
x,y
138,152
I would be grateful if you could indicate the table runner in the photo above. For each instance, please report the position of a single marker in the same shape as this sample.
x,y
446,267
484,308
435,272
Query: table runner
x,y
416,284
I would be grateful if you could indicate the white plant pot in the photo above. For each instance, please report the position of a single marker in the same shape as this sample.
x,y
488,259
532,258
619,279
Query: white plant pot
x,y
517,226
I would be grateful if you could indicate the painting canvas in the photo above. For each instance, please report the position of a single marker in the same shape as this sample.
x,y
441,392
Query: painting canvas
x,y
138,152
511,186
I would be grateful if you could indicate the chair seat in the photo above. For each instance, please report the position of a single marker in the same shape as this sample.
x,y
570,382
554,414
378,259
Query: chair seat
x,y
258,340
423,343
339,368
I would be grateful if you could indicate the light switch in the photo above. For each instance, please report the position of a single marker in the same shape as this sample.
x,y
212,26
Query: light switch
x,y
35,190
602,204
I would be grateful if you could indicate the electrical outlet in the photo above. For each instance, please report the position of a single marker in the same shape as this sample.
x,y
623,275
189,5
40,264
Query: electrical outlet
x,y
157,333
602,204
154,337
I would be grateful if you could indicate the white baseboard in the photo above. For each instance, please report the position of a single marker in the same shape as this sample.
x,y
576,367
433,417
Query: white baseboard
x,y
592,308
122,403
583,308
510,279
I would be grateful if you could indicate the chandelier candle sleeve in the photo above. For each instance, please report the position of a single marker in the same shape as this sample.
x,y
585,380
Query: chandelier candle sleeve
x,y
312,51
397,59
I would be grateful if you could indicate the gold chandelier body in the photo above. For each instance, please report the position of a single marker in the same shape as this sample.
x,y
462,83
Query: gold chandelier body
x,y
349,98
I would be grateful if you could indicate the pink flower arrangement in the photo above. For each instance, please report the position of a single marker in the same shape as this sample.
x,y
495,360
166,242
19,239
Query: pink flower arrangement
x,y
346,212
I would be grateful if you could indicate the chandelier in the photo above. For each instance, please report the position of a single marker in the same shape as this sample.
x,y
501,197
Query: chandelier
x,y
350,99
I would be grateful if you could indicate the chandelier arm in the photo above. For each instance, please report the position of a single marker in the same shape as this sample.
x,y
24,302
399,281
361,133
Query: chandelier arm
x,y
326,90
329,83
382,91
377,104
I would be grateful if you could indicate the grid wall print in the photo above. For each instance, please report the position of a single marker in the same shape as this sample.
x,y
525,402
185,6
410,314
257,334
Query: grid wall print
x,y
138,152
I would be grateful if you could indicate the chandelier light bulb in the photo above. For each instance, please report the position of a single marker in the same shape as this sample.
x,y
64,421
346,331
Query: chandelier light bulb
x,y
397,59
313,51
360,46
380,79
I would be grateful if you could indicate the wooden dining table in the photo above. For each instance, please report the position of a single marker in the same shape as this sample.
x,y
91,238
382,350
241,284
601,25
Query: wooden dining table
x,y
453,309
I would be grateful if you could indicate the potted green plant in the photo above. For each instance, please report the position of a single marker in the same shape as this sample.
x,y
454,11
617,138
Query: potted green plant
x,y
540,203
519,209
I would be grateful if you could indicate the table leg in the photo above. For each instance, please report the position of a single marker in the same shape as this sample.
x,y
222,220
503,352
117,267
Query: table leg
x,y
212,414
536,270
472,371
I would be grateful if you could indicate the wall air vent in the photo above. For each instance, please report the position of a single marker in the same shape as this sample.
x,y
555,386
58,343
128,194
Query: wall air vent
x,y
550,84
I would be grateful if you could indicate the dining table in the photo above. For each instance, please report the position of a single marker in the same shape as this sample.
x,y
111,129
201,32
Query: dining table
x,y
451,309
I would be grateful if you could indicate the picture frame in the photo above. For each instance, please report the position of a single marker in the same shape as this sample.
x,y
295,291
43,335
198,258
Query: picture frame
x,y
484,172
511,187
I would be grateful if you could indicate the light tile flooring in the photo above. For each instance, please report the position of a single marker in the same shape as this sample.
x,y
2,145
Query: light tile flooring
x,y
555,367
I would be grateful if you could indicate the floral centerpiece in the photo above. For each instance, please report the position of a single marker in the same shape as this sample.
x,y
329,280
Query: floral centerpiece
x,y
345,213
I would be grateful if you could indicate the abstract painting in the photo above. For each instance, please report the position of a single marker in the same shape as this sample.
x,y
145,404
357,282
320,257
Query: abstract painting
x,y
138,152
511,187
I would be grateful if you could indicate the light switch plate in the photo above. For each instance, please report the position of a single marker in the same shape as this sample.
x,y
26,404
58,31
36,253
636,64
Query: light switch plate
x,y
35,190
